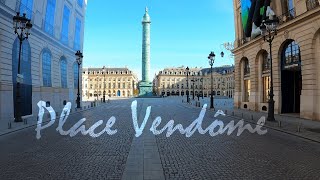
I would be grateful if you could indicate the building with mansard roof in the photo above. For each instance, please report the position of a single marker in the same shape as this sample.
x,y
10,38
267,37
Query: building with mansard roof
x,y
174,82
114,82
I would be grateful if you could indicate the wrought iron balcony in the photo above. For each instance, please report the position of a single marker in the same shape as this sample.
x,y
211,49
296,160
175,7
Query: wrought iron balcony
x,y
285,17
311,4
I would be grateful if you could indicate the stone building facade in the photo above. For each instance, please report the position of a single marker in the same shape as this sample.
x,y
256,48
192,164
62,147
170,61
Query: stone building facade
x,y
48,55
173,82
116,82
296,61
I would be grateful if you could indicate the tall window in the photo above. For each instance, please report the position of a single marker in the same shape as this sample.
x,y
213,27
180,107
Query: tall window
x,y
80,2
292,53
265,76
246,80
266,62
49,19
266,88
247,86
246,67
65,25
26,7
46,68
75,75
77,35
63,71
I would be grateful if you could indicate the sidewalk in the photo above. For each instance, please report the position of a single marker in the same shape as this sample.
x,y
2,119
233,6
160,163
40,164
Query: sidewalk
x,y
9,126
289,124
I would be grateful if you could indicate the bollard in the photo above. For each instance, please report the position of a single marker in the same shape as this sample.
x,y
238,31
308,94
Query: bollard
x,y
279,124
299,127
232,113
25,121
9,125
251,116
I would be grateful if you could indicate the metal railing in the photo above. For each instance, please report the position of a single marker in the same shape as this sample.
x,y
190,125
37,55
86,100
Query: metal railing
x,y
241,41
287,16
311,4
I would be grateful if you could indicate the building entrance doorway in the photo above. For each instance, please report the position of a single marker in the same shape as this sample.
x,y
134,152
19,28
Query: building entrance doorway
x,y
291,79
291,90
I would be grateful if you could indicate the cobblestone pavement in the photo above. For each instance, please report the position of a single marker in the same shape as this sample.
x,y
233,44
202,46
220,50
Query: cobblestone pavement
x,y
250,156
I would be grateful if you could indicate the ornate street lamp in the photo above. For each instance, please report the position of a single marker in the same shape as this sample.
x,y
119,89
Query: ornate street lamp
x,y
269,31
187,69
79,57
104,83
211,58
22,26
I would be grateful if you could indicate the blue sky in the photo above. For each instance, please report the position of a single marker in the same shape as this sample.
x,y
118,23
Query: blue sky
x,y
183,32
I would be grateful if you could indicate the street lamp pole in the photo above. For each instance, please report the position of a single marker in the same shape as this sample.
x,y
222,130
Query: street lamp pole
x,y
193,80
202,87
211,58
104,84
269,31
20,24
79,57
187,69
198,88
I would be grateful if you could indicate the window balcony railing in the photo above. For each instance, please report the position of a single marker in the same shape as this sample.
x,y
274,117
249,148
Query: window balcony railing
x,y
311,4
241,41
285,17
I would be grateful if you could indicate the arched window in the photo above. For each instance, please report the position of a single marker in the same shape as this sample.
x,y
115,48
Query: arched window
x,y
75,75
63,72
291,54
46,68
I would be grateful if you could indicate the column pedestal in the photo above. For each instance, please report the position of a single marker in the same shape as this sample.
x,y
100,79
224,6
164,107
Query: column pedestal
x,y
145,89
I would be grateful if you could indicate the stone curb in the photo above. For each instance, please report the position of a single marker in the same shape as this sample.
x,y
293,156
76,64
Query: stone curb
x,y
267,126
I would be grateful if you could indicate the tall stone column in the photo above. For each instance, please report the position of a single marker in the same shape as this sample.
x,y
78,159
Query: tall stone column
x,y
145,86
146,47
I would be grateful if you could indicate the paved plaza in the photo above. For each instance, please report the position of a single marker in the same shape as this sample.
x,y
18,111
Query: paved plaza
x,y
275,155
